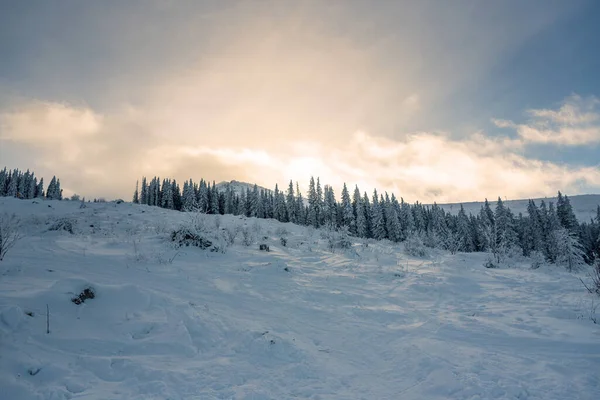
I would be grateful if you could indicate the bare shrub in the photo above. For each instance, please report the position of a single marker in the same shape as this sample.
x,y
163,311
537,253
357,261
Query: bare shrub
x,y
337,238
594,286
230,233
86,294
537,259
62,224
9,233
415,247
247,236
490,262
256,227
281,231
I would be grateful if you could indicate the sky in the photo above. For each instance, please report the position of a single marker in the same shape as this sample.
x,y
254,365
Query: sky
x,y
430,100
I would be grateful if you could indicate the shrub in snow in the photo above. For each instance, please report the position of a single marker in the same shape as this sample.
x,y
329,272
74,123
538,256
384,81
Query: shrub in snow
x,y
490,262
283,241
9,233
337,238
229,234
264,247
595,278
247,236
185,236
196,233
415,247
281,231
86,294
537,259
62,224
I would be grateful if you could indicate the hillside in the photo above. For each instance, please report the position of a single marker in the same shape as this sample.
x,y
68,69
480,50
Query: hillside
x,y
299,322
585,205
238,187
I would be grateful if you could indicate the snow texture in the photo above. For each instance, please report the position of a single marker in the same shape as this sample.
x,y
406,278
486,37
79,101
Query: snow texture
x,y
297,322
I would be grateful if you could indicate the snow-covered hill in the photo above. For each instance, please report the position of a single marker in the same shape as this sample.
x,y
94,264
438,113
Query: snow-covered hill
x,y
238,187
585,206
298,322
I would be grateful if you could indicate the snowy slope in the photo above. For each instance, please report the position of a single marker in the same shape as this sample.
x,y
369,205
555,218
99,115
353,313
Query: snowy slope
x,y
584,205
238,187
298,322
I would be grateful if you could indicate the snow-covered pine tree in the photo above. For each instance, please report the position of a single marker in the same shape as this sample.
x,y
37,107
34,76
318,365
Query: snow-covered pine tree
x,y
367,209
565,214
291,203
464,231
361,218
377,218
394,231
319,203
347,213
3,182
569,251
13,180
329,207
189,198
313,206
39,190
167,194
214,199
144,191
51,193
300,210
506,236
136,195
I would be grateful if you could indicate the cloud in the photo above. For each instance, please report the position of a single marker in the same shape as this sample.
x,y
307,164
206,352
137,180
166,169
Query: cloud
x,y
575,123
104,154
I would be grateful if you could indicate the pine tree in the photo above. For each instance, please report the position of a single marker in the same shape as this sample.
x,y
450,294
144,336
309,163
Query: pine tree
x,y
291,204
144,192
368,220
39,191
347,216
136,196
377,218
464,231
12,189
313,204
569,249
565,214
3,182
300,210
391,217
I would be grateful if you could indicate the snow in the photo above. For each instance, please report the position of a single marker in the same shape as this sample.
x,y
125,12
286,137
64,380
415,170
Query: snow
x,y
296,322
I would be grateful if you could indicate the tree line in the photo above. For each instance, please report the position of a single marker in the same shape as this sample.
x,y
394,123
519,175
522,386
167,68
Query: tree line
x,y
549,231
25,185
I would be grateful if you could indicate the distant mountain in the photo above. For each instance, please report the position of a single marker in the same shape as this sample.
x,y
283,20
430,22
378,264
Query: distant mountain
x,y
238,186
584,205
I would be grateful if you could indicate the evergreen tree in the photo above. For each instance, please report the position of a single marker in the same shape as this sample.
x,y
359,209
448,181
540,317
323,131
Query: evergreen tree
x,y
136,196
12,190
565,214
39,191
291,204
3,182
347,213
377,218
313,204
464,231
